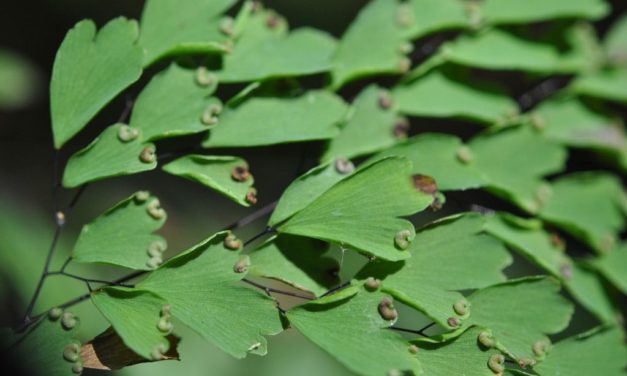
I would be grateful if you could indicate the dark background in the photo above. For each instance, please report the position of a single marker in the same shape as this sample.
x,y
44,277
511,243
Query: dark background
x,y
35,29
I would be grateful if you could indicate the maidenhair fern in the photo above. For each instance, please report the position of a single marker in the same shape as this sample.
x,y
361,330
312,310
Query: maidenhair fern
x,y
442,214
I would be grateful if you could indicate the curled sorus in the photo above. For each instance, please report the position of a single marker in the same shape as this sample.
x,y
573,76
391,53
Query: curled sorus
x,y
464,154
251,196
425,184
127,133
495,363
227,26
485,339
208,116
158,351
148,155
55,313
241,266
71,352
232,242
372,283
401,128
68,320
453,322
240,173
385,100
154,262
413,349
155,210
142,196
540,348
156,248
386,309
204,77
402,239
461,307
344,166
165,325
77,367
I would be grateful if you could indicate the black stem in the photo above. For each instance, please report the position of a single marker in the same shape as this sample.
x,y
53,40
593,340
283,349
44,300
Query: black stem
x,y
87,280
270,289
420,332
335,289
266,231
252,216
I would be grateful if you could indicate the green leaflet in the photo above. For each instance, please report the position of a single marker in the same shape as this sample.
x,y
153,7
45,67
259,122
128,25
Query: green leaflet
x,y
447,92
519,180
361,211
169,27
614,267
608,84
428,16
266,50
40,351
441,156
351,329
135,316
371,127
589,206
472,259
173,104
517,52
529,239
267,121
297,261
597,352
569,120
457,356
373,44
514,11
123,158
306,188
200,284
615,42
123,235
517,324
220,173
76,93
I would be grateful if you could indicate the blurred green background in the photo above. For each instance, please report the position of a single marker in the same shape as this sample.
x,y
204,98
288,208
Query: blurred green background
x,y
30,33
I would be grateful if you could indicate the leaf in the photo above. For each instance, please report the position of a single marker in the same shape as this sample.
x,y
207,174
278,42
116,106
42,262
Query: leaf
x,y
219,173
588,289
457,356
449,92
473,260
299,262
440,156
362,211
588,206
351,329
41,350
614,267
134,315
517,323
76,93
370,128
200,285
372,45
123,235
513,11
429,16
572,122
107,351
172,104
266,50
122,158
615,42
305,189
169,27
605,84
597,352
517,179
267,121
516,52
528,238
